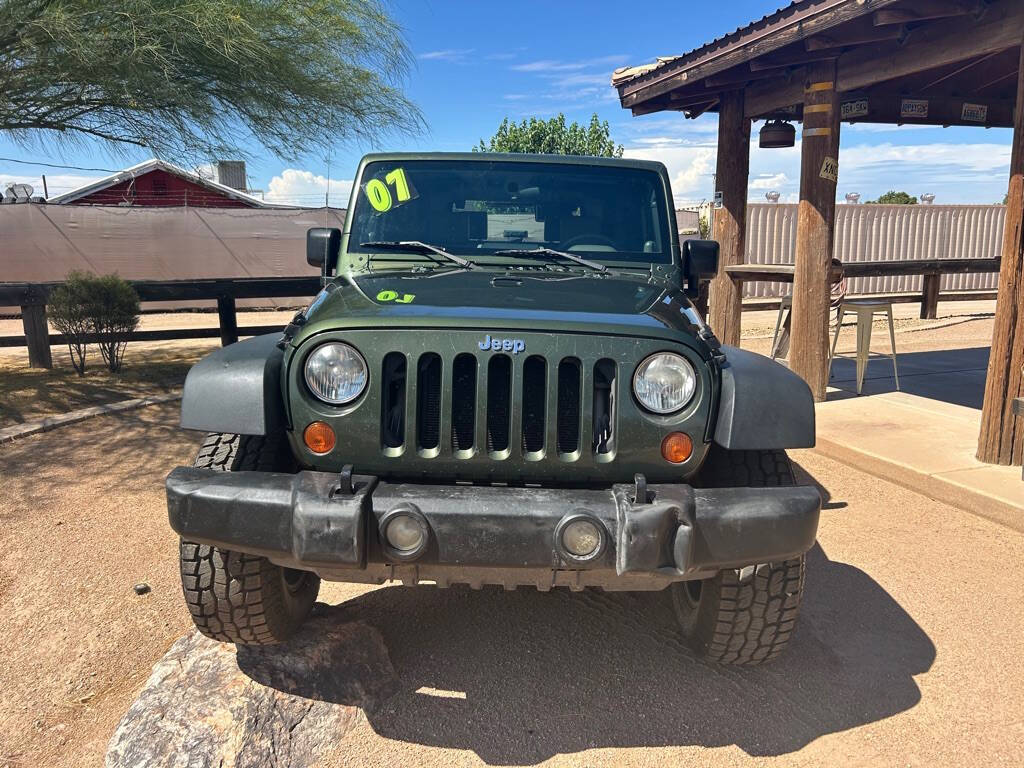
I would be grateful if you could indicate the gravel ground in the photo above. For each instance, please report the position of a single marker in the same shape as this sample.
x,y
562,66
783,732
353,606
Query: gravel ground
x,y
908,651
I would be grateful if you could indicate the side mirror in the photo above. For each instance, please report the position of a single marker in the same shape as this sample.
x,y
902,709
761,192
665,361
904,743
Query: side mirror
x,y
323,245
700,264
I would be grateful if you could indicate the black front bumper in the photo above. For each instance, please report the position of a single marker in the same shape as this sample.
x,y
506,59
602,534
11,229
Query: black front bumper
x,y
325,523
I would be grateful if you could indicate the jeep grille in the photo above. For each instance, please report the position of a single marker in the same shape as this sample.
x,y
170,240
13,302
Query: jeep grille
x,y
481,414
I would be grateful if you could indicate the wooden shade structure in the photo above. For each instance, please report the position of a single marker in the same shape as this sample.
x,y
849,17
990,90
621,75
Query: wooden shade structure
x,y
825,62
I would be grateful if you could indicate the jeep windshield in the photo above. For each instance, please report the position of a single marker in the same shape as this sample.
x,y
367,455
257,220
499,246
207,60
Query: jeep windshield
x,y
498,210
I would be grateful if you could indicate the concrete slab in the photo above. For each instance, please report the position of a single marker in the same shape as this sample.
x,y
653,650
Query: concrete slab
x,y
923,444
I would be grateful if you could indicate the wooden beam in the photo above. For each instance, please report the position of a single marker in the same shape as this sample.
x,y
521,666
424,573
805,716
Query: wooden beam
x,y
936,45
733,77
839,39
228,320
930,295
815,227
797,59
1001,440
693,114
961,69
797,28
37,336
933,9
732,170
884,106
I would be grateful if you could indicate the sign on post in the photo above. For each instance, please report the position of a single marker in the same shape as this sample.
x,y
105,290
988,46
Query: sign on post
x,y
914,108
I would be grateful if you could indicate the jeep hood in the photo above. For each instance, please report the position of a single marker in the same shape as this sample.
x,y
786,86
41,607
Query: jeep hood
x,y
616,304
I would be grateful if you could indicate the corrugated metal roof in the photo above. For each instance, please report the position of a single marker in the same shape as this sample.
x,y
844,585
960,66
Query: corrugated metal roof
x,y
742,36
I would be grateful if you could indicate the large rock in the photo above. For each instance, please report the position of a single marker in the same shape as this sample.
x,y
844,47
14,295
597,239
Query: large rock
x,y
207,704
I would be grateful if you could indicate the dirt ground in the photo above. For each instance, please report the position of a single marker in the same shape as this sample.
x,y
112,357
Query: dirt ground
x,y
908,651
150,368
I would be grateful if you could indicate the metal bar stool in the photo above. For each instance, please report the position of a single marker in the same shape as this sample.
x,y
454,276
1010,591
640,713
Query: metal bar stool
x,y
865,309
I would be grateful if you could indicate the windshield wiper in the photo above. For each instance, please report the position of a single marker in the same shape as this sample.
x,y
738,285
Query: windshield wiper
x,y
416,246
551,252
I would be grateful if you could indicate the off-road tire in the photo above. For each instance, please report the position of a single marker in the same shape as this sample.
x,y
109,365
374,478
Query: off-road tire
x,y
236,597
743,616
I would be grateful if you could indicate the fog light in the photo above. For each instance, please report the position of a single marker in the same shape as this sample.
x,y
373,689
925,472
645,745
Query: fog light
x,y
319,437
404,533
676,447
581,538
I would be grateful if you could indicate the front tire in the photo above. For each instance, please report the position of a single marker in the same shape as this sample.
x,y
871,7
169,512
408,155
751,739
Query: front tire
x,y
235,597
743,616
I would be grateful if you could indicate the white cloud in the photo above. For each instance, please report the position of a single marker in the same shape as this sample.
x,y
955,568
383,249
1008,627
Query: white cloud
x,y
299,187
691,169
558,65
449,54
775,181
954,172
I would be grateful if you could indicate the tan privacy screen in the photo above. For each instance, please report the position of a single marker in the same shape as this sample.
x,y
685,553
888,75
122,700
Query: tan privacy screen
x,y
42,243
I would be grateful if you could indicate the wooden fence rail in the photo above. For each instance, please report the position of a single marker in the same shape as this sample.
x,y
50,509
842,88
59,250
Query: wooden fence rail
x,y
932,269
33,297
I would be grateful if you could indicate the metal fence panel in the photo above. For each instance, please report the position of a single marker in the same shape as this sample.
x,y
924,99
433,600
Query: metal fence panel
x,y
882,233
42,243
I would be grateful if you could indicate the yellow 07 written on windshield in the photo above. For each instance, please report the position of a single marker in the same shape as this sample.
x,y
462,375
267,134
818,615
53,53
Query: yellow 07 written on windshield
x,y
380,195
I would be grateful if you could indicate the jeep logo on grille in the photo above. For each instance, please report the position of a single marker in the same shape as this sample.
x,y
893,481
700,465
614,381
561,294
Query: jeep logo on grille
x,y
515,346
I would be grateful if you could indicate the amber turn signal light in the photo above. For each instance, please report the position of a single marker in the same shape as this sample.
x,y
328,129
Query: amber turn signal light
x,y
319,437
676,447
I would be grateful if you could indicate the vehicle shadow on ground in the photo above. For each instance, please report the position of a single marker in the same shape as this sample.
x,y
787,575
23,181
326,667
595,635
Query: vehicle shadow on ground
x,y
518,677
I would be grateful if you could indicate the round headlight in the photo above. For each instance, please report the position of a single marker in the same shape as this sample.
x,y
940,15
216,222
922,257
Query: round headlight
x,y
664,382
336,373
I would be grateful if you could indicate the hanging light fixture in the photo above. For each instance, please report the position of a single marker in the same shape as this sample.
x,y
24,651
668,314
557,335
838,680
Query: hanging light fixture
x,y
776,134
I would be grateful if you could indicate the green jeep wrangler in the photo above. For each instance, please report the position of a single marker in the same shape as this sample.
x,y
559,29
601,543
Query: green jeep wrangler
x,y
502,382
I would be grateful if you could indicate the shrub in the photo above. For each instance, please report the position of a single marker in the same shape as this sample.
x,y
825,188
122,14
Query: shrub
x,y
104,309
114,314
69,313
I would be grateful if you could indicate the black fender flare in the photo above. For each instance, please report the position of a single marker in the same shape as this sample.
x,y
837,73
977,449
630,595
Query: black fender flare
x,y
762,404
236,389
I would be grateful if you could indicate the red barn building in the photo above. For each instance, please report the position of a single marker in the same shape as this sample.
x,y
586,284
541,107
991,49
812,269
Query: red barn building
x,y
156,183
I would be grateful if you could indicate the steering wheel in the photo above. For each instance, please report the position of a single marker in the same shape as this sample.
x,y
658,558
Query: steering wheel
x,y
589,240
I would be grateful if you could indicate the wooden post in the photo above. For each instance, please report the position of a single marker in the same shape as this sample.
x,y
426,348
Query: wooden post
x,y
1002,432
815,227
730,221
37,335
228,320
930,295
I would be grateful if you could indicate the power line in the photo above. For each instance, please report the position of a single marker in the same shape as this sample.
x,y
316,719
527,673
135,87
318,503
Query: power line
x,y
51,165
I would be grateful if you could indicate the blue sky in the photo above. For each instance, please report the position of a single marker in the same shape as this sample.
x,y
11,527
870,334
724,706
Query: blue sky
x,y
478,62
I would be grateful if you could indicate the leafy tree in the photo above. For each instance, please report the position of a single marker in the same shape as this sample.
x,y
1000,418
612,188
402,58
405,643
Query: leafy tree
x,y
553,137
196,78
892,197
